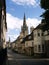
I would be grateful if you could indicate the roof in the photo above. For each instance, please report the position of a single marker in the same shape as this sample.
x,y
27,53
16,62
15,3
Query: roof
x,y
40,26
28,37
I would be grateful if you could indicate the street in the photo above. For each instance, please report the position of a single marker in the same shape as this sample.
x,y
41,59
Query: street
x,y
19,59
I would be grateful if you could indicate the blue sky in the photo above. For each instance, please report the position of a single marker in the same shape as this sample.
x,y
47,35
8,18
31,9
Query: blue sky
x,y
15,10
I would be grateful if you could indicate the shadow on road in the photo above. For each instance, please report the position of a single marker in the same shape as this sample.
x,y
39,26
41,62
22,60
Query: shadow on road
x,y
3,56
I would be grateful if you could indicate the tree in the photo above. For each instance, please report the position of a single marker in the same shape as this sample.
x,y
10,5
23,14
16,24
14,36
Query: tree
x,y
45,5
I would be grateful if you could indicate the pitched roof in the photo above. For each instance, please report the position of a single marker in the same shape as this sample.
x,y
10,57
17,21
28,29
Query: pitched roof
x,y
40,26
28,37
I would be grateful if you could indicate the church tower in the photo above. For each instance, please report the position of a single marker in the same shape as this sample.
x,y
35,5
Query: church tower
x,y
24,29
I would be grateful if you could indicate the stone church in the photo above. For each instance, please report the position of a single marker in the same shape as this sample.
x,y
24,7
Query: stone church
x,y
24,28
23,33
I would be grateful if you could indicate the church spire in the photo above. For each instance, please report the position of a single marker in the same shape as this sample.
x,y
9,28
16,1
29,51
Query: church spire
x,y
9,39
24,28
24,21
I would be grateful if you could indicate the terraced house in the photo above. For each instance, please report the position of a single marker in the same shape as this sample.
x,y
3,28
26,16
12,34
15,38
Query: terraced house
x,y
41,40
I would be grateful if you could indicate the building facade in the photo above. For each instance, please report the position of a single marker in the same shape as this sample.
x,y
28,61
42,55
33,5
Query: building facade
x,y
29,45
3,30
3,24
39,46
41,40
36,43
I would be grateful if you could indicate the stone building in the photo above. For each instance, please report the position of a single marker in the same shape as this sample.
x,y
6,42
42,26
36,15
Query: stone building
x,y
46,38
13,45
41,41
3,25
19,44
29,44
31,29
3,30
39,45
24,28
23,33
9,44
36,43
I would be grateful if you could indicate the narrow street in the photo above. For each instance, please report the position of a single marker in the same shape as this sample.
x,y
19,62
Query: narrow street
x,y
18,59
14,56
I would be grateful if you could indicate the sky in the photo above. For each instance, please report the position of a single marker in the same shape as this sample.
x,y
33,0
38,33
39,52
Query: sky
x,y
15,10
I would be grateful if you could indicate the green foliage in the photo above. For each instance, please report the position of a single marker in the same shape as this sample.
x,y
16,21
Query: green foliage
x,y
44,4
45,15
43,21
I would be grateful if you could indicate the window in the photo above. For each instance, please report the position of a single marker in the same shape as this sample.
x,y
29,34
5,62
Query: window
x,y
42,34
35,47
39,48
38,34
43,47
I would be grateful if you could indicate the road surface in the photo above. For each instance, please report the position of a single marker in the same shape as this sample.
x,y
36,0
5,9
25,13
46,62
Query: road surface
x,y
18,59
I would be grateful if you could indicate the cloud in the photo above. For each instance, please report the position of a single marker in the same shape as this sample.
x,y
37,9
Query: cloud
x,y
25,2
12,37
33,22
14,23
